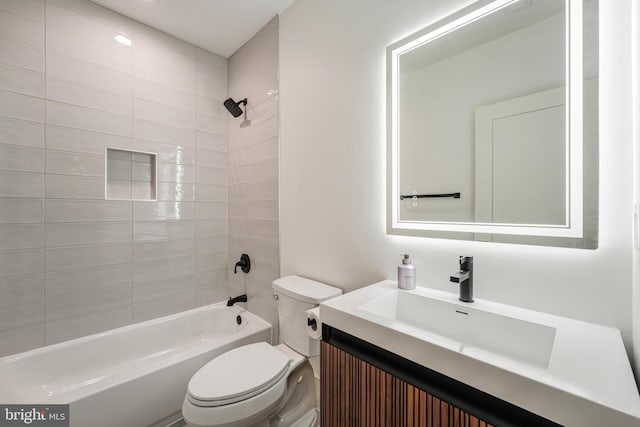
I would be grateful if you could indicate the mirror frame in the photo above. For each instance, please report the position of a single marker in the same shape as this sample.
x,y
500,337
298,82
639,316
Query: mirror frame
x,y
573,229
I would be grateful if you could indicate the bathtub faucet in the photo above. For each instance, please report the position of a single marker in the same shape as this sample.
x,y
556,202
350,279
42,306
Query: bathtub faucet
x,y
239,298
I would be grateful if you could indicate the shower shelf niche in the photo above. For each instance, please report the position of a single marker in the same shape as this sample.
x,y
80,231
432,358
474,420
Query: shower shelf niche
x,y
130,175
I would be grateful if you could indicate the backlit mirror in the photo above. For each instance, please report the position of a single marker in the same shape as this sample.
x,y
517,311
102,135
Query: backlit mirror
x,y
492,125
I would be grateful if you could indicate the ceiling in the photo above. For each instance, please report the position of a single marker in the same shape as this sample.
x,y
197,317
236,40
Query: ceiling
x,y
219,26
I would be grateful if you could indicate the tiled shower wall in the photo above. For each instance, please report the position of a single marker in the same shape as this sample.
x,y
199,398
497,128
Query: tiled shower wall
x,y
72,263
253,172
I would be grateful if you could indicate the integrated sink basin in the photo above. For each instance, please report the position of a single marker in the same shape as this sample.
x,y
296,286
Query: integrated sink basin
x,y
473,331
568,371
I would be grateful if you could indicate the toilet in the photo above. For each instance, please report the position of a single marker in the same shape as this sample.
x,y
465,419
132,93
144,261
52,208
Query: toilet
x,y
260,384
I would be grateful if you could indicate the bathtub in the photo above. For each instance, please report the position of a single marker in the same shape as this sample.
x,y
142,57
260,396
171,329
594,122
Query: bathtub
x,y
131,376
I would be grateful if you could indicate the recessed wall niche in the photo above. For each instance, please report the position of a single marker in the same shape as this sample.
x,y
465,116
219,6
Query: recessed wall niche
x,y
130,175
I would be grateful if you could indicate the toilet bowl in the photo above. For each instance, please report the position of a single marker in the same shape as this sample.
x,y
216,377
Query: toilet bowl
x,y
260,384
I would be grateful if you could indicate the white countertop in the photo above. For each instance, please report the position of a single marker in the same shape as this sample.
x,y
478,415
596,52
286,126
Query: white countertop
x,y
588,381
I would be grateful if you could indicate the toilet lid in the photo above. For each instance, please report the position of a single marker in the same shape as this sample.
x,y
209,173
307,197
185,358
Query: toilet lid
x,y
239,374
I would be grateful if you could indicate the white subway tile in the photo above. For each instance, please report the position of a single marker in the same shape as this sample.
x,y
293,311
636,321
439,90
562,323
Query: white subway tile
x,y
87,119
264,190
262,151
145,251
21,107
118,189
164,268
162,75
211,107
67,163
19,132
87,256
263,209
211,210
162,211
21,288
211,141
19,80
21,339
116,57
212,73
21,159
74,187
263,171
211,58
64,282
162,230
262,229
209,278
20,211
208,158
21,314
142,172
21,29
163,306
82,141
86,302
118,170
208,227
142,191
158,132
211,260
163,288
211,89
18,184
164,49
160,113
144,89
175,173
211,193
21,54
212,244
20,262
75,70
88,22
211,295
75,234
205,175
167,153
173,191
87,210
83,96
21,236
211,124
31,9
74,327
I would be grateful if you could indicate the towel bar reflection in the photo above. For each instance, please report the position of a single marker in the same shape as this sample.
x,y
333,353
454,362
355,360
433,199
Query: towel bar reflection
x,y
425,196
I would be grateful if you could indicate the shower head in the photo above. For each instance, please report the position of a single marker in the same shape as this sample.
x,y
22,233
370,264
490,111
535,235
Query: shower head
x,y
234,107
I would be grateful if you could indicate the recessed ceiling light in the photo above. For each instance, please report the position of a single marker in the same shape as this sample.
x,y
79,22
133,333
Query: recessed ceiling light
x,y
123,40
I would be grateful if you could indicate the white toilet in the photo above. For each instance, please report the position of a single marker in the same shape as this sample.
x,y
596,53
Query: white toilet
x,y
260,384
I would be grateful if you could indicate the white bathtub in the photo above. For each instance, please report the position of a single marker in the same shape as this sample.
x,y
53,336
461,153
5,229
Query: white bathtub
x,y
130,376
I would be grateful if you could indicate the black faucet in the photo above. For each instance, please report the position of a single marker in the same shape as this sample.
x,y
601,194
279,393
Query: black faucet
x,y
244,264
239,298
465,278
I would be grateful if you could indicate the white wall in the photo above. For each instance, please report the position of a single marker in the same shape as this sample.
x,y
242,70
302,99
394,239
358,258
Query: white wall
x,y
72,263
332,169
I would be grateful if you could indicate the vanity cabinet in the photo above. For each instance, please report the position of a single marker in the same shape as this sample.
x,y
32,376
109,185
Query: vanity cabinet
x,y
356,393
365,385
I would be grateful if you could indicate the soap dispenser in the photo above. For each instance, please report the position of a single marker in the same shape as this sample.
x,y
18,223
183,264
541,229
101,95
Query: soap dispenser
x,y
406,274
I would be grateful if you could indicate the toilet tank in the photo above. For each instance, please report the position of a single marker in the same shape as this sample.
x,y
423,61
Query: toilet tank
x,y
295,295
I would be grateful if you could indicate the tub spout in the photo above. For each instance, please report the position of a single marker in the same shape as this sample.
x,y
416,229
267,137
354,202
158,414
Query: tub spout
x,y
239,298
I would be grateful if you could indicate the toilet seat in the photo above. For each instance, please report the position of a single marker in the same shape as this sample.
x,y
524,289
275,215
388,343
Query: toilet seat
x,y
239,374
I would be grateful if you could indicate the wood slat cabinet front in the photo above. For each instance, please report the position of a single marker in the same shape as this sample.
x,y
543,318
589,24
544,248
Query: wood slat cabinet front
x,y
356,393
